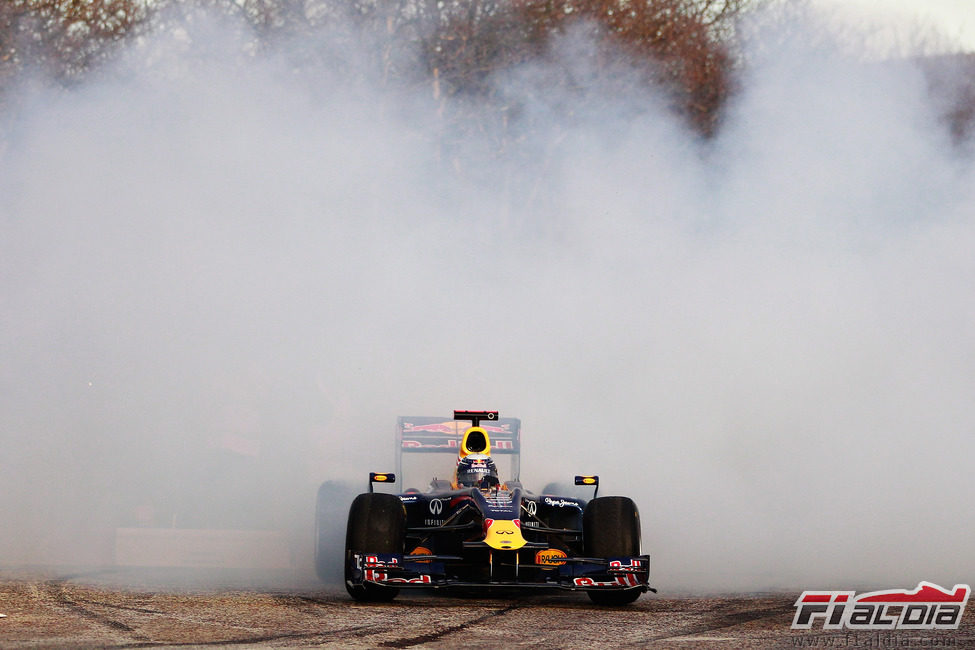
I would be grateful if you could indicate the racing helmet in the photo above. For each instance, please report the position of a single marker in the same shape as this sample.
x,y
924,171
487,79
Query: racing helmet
x,y
477,470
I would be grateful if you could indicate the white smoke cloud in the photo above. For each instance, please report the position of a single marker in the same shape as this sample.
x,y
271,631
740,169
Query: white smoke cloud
x,y
224,275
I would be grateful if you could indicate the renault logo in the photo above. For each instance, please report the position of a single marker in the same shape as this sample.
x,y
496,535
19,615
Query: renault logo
x,y
436,506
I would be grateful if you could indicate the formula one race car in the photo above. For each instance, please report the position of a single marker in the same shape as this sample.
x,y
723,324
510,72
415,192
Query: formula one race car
x,y
475,531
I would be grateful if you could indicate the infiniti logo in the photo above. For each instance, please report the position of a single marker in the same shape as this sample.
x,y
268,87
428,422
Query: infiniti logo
x,y
531,508
436,506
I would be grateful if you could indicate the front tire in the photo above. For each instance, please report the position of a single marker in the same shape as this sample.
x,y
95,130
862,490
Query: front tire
x,y
611,528
377,524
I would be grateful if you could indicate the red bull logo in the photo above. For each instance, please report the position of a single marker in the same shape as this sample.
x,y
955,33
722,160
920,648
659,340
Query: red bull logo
x,y
628,580
372,575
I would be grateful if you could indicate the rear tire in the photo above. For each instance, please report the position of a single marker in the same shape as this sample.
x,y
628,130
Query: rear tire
x,y
611,528
328,535
377,524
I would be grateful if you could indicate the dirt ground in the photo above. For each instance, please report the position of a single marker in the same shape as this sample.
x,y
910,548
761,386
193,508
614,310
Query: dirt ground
x,y
112,608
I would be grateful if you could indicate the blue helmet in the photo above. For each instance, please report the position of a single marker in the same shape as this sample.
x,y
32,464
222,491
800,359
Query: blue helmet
x,y
477,470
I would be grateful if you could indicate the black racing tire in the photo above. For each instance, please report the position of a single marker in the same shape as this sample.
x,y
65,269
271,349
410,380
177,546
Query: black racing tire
x,y
377,523
611,528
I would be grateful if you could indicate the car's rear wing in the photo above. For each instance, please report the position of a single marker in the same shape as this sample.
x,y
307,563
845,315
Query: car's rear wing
x,y
425,434
440,435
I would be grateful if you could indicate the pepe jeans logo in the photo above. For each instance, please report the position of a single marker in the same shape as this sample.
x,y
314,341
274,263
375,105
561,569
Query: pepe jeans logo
x,y
929,607
561,503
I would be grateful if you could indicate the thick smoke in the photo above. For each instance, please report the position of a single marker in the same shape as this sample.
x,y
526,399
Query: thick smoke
x,y
225,274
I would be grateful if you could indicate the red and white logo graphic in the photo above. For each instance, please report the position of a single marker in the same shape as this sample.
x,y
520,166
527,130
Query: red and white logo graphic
x,y
929,607
626,580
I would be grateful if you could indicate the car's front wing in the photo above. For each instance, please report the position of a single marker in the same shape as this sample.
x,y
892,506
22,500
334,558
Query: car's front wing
x,y
614,573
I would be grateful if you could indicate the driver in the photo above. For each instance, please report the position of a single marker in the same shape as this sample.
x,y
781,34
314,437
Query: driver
x,y
477,470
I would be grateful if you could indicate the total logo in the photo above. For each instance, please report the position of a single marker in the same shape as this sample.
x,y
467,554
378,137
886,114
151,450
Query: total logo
x,y
929,607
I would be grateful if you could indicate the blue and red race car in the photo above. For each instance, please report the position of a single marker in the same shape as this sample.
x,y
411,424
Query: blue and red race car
x,y
473,530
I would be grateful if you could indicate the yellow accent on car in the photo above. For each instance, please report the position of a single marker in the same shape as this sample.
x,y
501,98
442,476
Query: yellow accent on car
x,y
504,535
475,441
